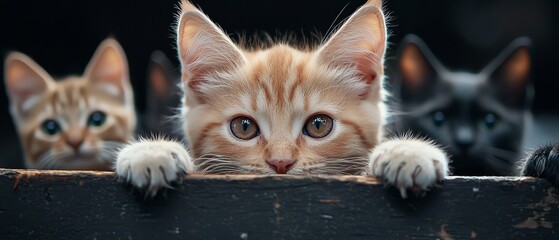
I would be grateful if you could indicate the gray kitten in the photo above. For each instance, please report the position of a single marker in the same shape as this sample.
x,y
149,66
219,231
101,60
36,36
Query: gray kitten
x,y
478,117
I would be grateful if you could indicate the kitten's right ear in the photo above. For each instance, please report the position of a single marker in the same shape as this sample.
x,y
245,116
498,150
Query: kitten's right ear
x,y
25,80
203,49
417,66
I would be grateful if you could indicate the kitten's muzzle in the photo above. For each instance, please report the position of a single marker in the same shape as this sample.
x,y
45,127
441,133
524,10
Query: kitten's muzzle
x,y
464,138
281,166
75,143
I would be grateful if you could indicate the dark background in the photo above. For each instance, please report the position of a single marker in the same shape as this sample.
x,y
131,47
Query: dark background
x,y
464,34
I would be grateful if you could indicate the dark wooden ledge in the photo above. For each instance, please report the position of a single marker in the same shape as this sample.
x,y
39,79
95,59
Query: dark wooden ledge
x,y
93,205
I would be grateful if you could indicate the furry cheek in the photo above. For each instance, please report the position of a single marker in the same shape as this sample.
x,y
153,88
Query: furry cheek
x,y
219,141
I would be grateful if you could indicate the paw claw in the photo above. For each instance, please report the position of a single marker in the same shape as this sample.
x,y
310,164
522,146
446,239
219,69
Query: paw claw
x,y
137,164
408,165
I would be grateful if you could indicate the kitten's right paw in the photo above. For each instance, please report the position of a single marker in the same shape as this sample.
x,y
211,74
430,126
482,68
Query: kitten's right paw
x,y
151,165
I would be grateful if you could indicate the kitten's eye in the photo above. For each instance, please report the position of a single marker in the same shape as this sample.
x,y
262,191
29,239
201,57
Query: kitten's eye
x,y
438,118
490,120
96,119
244,128
318,126
50,127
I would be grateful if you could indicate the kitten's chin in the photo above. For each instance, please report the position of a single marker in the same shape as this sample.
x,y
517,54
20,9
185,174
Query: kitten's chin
x,y
294,171
225,165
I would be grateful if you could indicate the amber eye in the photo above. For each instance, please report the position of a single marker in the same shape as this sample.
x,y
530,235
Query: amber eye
x,y
318,126
244,128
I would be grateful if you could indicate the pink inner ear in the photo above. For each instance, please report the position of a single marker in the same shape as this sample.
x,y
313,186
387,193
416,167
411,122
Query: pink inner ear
x,y
23,94
108,69
113,75
517,69
158,82
194,83
108,75
367,73
413,66
369,79
23,81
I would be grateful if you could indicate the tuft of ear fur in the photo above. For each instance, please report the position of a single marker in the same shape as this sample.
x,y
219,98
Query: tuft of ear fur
x,y
25,82
108,70
360,43
510,72
204,49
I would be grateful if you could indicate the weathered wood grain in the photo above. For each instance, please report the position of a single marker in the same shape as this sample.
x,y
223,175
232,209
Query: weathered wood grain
x,y
93,205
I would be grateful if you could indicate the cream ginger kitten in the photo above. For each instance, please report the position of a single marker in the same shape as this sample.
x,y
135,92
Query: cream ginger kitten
x,y
283,110
77,122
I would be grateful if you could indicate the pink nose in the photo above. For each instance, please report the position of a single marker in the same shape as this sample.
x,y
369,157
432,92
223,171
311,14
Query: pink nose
x,y
281,165
75,143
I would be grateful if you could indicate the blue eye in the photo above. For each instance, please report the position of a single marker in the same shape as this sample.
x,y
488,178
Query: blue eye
x,y
490,120
50,127
438,118
96,119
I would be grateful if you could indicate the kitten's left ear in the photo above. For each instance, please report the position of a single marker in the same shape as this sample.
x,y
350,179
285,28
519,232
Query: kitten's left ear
x,y
108,70
510,72
360,43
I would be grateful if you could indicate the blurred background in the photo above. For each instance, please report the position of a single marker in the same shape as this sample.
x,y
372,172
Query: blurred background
x,y
464,34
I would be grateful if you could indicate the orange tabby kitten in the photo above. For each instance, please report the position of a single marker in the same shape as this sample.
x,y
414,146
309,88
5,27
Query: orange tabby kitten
x,y
77,122
283,110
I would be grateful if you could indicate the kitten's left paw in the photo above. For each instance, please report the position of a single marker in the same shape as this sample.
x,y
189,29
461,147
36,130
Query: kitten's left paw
x,y
408,164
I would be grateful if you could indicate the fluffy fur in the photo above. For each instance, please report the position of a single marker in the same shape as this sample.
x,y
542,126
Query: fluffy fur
x,y
543,163
73,123
280,89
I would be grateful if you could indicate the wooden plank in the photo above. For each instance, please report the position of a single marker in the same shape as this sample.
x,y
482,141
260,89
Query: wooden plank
x,y
93,205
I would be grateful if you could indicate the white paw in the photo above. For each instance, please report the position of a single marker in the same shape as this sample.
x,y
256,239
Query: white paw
x,y
408,164
151,165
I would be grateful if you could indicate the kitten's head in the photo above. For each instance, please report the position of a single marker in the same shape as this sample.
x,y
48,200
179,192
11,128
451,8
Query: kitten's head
x,y
76,122
283,110
479,117
163,95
